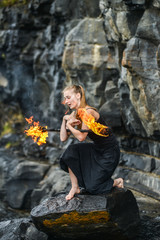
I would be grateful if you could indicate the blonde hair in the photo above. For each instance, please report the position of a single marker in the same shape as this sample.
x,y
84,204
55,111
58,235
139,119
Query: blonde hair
x,y
78,89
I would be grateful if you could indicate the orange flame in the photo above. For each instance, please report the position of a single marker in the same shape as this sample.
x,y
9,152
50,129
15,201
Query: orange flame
x,y
89,120
29,120
64,102
36,132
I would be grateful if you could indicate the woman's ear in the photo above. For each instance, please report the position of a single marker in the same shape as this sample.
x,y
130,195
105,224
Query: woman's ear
x,y
78,95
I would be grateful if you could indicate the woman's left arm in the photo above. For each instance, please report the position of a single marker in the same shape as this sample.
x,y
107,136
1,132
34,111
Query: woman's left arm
x,y
81,136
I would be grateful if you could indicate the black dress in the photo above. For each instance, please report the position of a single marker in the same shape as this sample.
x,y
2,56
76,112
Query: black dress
x,y
93,163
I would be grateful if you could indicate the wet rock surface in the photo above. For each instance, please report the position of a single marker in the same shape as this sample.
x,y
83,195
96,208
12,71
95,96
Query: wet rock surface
x,y
88,216
149,210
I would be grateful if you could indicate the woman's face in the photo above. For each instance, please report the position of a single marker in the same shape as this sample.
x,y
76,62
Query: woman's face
x,y
72,99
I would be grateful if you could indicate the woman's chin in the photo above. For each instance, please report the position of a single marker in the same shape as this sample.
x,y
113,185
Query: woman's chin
x,y
71,107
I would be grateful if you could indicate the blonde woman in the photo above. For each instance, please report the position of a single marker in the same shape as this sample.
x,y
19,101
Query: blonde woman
x,y
90,165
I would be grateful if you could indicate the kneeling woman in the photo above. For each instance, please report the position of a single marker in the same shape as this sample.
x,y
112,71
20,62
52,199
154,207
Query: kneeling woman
x,y
90,165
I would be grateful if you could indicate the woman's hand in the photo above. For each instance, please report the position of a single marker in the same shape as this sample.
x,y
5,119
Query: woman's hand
x,y
69,116
70,119
73,122
70,125
66,117
63,133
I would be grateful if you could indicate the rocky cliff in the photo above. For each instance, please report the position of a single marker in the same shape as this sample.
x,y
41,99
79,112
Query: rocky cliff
x,y
112,48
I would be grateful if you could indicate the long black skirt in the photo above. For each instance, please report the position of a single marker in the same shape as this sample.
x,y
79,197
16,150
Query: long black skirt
x,y
92,166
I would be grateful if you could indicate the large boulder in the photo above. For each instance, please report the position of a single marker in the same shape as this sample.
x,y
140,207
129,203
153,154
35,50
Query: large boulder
x,y
88,216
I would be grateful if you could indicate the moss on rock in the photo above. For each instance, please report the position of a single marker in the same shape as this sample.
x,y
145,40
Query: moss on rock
x,y
6,3
77,218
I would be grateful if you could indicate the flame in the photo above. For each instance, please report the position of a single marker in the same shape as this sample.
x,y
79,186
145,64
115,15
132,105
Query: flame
x,y
89,120
36,132
64,103
29,120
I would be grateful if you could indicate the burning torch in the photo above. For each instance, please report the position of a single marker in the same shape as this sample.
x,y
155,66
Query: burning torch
x,y
40,133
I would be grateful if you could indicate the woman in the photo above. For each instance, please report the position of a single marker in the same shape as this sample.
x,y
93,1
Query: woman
x,y
90,165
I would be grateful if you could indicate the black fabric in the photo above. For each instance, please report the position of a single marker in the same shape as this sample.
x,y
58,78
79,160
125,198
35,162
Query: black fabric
x,y
93,163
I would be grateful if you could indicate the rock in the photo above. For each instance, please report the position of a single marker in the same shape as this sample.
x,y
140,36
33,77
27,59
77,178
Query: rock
x,y
7,164
111,48
118,25
55,181
140,145
88,216
143,182
156,4
94,60
52,154
130,117
25,178
126,5
142,76
65,8
17,229
3,211
113,118
7,213
32,150
147,29
145,163
18,178
140,172
30,170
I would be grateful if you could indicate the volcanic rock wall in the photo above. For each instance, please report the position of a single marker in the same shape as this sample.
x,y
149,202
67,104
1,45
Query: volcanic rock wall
x,y
112,48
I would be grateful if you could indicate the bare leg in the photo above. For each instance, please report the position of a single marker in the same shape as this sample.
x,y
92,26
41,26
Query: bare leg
x,y
75,188
118,183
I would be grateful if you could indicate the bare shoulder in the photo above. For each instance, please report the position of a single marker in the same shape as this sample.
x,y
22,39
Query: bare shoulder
x,y
93,112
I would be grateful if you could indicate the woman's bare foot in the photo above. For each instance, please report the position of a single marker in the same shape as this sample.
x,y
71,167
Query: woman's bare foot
x,y
118,183
72,192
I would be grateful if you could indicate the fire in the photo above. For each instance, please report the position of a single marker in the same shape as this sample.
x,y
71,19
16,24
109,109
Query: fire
x,y
64,102
36,132
89,120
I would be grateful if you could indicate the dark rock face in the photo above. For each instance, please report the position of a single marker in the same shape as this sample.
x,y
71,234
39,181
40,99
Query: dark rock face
x,y
88,216
20,229
112,48
31,46
18,179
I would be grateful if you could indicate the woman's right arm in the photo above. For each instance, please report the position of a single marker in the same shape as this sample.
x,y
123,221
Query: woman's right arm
x,y
64,134
63,131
